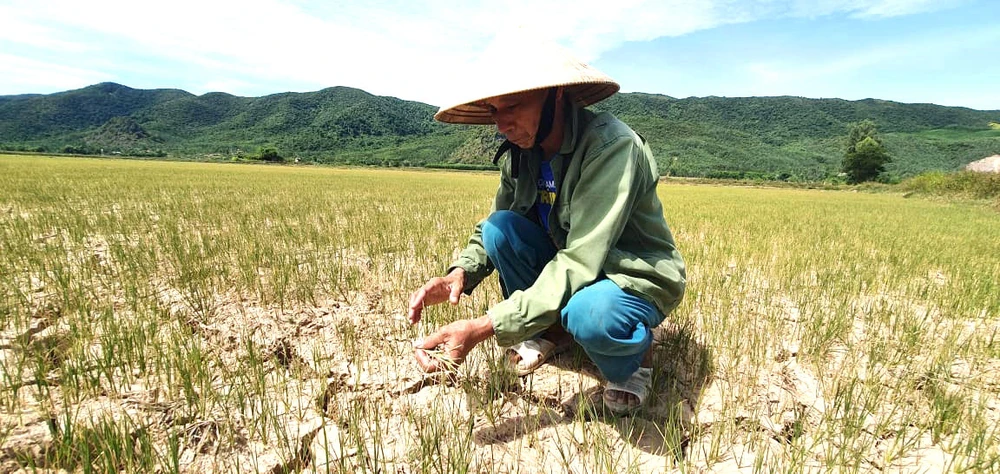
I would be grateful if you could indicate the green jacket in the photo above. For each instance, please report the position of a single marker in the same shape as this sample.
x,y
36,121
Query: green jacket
x,y
607,220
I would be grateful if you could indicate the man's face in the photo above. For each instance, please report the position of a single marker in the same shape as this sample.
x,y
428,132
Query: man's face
x,y
517,115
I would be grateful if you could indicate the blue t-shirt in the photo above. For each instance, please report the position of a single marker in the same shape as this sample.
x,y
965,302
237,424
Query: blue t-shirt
x,y
546,193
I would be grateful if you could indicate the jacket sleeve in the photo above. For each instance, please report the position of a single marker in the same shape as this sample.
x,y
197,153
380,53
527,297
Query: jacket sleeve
x,y
473,258
613,174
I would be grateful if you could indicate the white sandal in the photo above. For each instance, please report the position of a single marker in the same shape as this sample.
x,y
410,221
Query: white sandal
x,y
534,353
639,384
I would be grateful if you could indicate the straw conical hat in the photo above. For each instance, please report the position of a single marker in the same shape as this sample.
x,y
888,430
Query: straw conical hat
x,y
517,62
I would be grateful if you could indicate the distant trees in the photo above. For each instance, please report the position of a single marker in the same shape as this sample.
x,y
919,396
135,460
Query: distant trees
x,y
266,153
270,154
865,158
21,147
78,150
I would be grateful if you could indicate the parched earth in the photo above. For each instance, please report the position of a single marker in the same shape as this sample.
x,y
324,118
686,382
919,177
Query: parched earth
x,y
341,393
379,412
375,410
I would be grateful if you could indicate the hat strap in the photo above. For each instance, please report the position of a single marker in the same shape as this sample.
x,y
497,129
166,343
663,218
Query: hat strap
x,y
547,117
515,153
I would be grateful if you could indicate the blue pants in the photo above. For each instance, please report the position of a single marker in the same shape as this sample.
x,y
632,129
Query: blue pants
x,y
612,326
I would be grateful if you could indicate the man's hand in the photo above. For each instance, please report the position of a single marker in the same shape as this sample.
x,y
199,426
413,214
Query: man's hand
x,y
435,291
453,341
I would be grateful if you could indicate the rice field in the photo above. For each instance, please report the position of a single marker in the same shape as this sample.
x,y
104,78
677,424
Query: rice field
x,y
190,317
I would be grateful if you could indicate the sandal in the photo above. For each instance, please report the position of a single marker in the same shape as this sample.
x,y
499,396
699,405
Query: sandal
x,y
638,384
534,353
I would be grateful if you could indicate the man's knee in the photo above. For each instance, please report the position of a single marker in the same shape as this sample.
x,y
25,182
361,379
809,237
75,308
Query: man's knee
x,y
495,230
604,321
504,220
591,321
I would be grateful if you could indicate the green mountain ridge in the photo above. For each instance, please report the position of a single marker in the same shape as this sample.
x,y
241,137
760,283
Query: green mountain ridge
x,y
771,137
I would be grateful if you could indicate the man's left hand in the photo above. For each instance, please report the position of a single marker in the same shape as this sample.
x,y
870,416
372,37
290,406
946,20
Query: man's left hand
x,y
455,341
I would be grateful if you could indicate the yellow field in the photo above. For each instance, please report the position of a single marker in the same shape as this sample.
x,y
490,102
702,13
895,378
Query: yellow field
x,y
187,317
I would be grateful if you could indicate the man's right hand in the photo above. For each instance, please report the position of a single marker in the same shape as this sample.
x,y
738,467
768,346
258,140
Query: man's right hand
x,y
437,290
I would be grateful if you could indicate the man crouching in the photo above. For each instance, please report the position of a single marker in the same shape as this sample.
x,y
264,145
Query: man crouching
x,y
576,231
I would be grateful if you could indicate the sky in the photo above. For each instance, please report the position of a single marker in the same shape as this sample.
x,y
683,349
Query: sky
x,y
945,52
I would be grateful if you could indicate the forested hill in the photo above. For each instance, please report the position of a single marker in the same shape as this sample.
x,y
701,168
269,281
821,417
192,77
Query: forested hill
x,y
712,136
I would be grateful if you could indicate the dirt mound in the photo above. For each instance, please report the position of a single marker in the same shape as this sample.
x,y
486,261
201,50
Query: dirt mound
x,y
989,164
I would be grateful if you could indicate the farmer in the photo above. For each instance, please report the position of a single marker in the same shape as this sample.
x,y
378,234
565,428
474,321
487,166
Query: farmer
x,y
576,231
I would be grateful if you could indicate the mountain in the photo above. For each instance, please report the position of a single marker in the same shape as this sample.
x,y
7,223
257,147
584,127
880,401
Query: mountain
x,y
772,137
794,135
31,118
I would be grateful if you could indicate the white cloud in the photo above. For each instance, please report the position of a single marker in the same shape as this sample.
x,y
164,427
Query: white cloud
x,y
858,8
406,48
31,34
27,75
968,98
910,52
889,8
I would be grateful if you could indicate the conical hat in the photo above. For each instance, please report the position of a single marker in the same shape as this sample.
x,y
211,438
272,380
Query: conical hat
x,y
518,62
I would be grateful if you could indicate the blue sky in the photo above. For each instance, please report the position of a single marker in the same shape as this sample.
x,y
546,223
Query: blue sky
x,y
944,51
